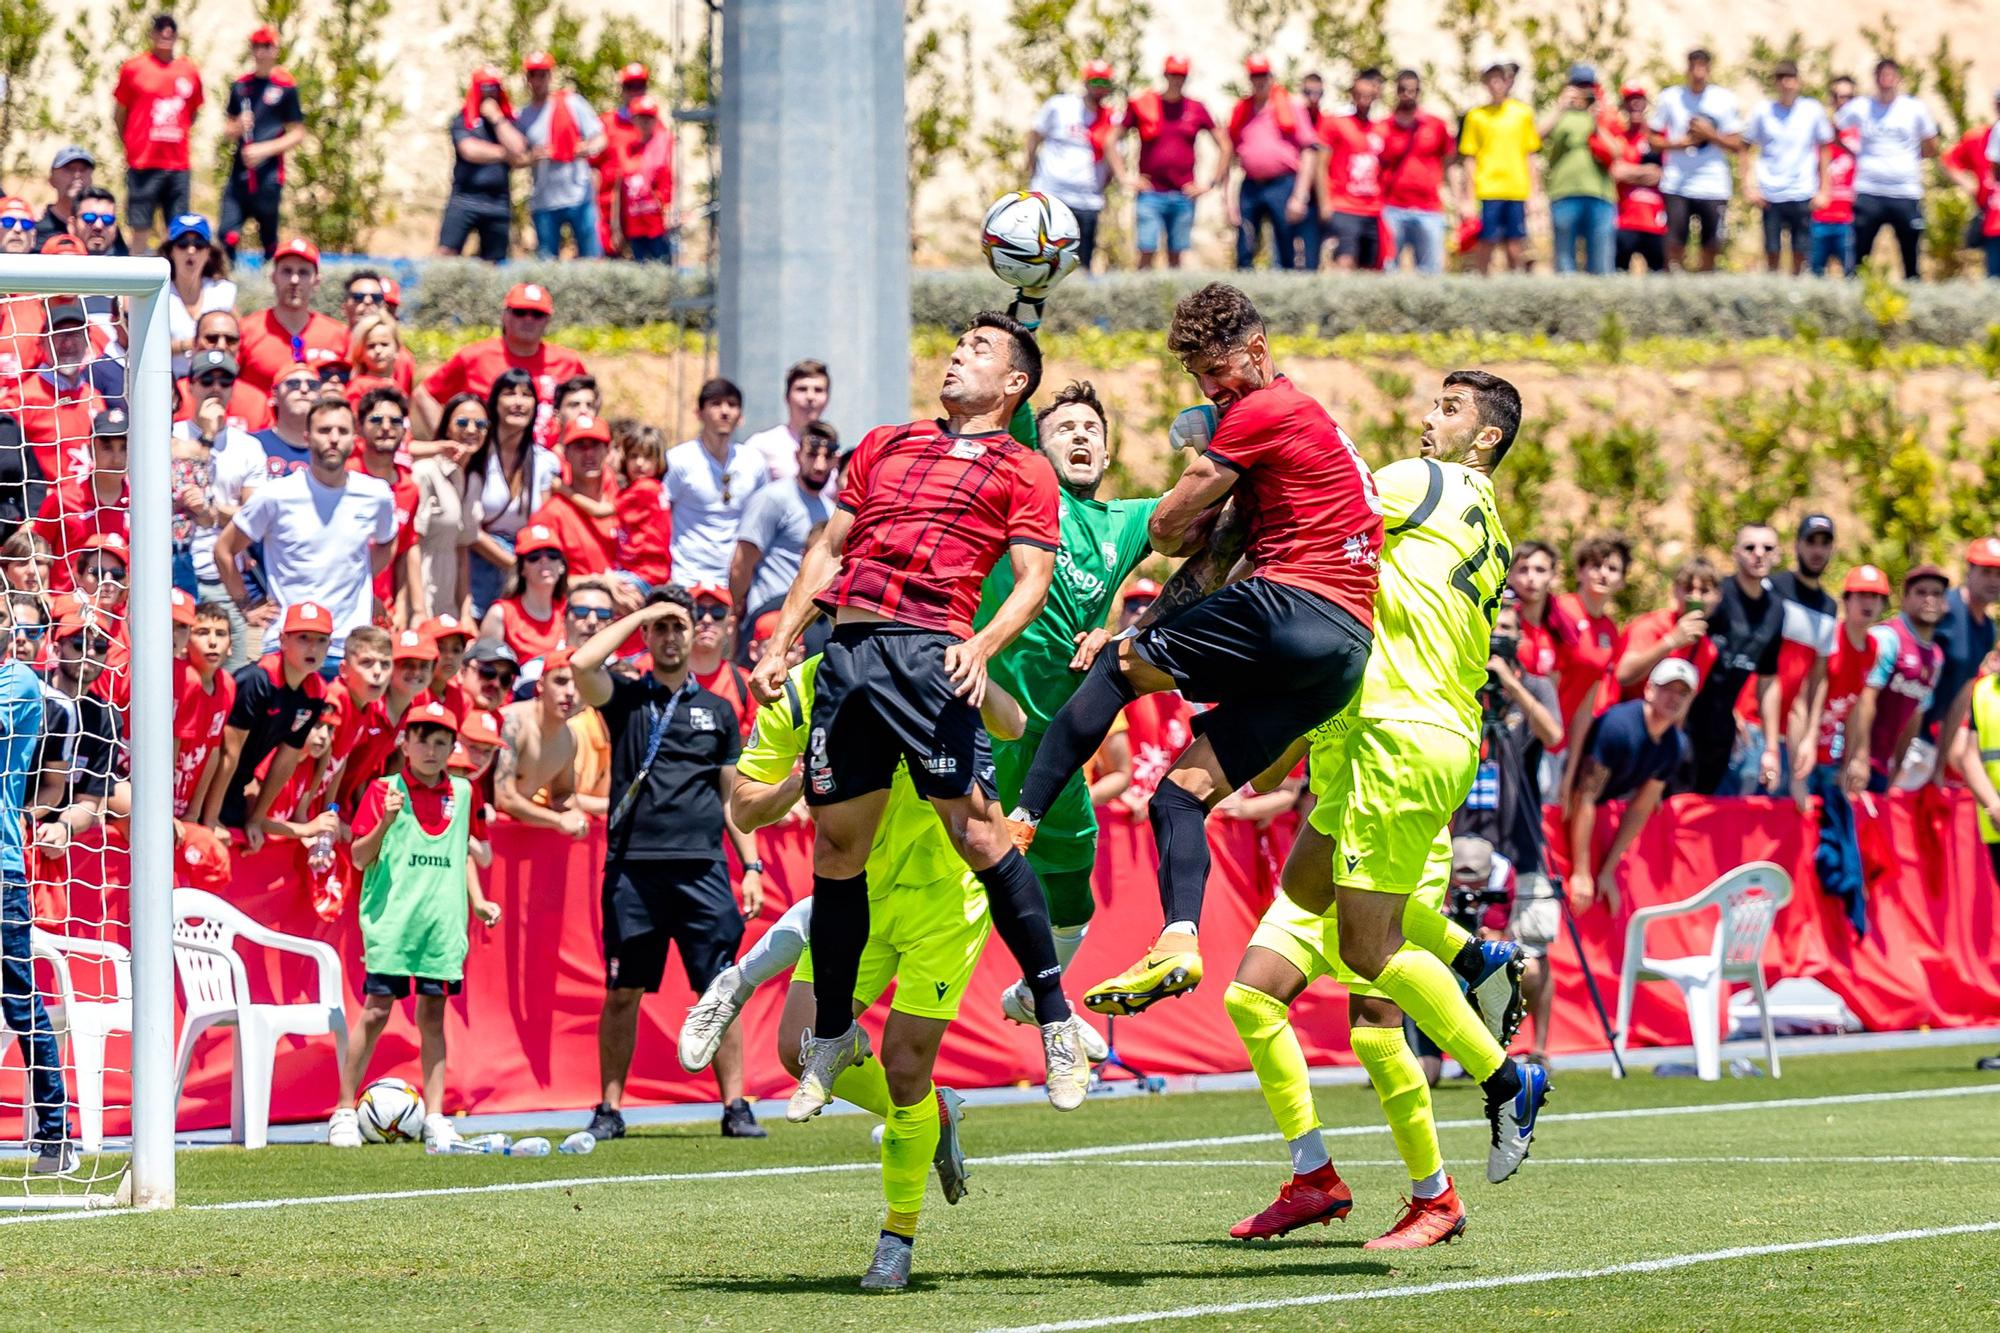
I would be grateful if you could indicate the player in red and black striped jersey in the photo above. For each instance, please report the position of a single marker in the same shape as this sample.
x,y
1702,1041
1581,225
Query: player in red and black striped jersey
x,y
1277,653
925,512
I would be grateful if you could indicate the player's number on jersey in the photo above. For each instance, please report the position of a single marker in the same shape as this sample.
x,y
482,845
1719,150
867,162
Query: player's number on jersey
x,y
1488,549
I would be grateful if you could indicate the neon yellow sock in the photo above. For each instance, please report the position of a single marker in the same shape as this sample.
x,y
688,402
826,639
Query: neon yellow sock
x,y
1426,990
901,1224
1432,931
1405,1096
909,1141
864,1085
1265,1026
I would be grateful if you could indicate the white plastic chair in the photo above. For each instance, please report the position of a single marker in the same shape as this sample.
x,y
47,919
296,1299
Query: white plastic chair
x,y
86,1023
216,988
1749,898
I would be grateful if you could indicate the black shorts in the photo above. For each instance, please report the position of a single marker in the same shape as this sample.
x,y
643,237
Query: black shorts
x,y
1357,236
1792,218
1650,246
882,696
461,223
154,192
398,988
1681,213
1276,661
652,905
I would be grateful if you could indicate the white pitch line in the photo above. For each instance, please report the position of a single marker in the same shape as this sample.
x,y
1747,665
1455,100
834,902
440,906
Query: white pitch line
x,y
1662,1265
1006,1159
1358,1163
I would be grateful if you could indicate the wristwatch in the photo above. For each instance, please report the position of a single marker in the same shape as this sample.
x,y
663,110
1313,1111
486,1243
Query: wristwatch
x,y
753,867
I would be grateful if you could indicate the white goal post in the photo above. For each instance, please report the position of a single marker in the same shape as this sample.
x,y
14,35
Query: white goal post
x,y
148,1181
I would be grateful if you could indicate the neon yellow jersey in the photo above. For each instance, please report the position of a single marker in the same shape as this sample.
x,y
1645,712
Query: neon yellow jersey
x,y
1444,559
910,849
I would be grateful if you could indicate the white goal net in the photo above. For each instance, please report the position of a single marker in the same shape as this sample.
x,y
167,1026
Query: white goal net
x,y
87,558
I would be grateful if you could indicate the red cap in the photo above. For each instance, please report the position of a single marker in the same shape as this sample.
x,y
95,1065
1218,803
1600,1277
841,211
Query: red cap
x,y
1176,64
414,645
643,106
444,627
530,296
307,618
635,73
431,714
71,616
535,537
1257,64
460,761
392,293
298,248
1142,588
62,243
15,206
555,661
1920,572
1632,90
1097,69
587,427
112,542
264,36
479,728
183,608
1984,552
1865,578
713,592
766,626
538,62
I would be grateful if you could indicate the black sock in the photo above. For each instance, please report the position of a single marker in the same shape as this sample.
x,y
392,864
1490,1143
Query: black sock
x,y
839,934
1499,1086
1180,827
1470,962
1075,733
1021,916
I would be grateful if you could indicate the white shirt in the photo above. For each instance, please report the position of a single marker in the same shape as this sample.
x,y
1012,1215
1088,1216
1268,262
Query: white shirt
x,y
316,540
216,294
1701,172
780,449
707,499
237,463
507,514
1890,160
1066,165
1788,143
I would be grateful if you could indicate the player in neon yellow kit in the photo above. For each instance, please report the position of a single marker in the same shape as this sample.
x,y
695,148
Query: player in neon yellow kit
x,y
1388,773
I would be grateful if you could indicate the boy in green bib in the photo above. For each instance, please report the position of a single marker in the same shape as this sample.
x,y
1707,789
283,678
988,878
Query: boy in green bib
x,y
419,889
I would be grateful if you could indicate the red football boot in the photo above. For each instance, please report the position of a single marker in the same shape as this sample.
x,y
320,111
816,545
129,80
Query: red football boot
x,y
1320,1196
1426,1222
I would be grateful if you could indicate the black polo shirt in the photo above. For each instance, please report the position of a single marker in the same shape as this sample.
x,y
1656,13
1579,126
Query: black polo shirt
x,y
273,104
1747,633
273,714
678,812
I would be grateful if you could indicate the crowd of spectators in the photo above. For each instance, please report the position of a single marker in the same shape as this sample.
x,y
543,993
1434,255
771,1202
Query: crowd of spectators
x,y
1627,176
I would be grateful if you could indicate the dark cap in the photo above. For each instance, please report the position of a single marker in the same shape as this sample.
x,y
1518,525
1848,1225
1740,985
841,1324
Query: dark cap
x,y
492,650
1583,76
1918,573
211,359
66,310
1812,525
71,155
111,421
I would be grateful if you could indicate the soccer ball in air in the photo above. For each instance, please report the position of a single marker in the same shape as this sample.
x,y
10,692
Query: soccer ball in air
x,y
390,1111
1030,240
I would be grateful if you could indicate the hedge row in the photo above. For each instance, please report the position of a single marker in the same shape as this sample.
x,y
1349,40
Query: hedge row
x,y
456,293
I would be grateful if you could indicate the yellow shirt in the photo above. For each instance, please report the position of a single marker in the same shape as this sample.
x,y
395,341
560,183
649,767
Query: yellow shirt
x,y
1499,139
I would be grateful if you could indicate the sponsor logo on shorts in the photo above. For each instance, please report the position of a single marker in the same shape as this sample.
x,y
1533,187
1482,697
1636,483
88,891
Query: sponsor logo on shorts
x,y
1353,862
942,987
940,765
819,771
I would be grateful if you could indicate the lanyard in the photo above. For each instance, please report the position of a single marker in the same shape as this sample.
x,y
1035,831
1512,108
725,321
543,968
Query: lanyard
x,y
661,721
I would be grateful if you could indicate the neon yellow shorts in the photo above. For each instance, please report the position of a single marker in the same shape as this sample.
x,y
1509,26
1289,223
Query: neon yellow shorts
x,y
1385,793
924,940
1312,943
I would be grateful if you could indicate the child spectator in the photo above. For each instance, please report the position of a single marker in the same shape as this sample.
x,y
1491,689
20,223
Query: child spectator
x,y
1581,627
452,638
278,698
354,699
645,525
374,753
372,351
203,698
419,889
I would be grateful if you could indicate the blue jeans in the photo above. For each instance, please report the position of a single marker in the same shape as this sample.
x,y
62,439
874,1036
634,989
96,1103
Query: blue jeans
x,y
487,578
25,1015
1310,234
1420,233
1831,240
652,249
1587,218
1992,247
1168,214
582,223
1262,201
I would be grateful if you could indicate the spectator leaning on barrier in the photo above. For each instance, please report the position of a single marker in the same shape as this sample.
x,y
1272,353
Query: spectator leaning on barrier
x,y
1970,163
1271,139
1888,716
1786,139
1581,196
1966,635
1069,152
1897,132
1168,124
709,480
279,698
563,134
777,523
1821,735
266,122
1747,629
1833,224
1628,755
1698,129
1351,188
1417,148
486,150
1501,141
808,386
1636,169
157,96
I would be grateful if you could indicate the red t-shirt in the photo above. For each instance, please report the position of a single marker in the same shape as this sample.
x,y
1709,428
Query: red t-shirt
x,y
247,409
474,367
1158,727
199,716
1413,161
71,516
267,350
1538,649
56,425
1846,676
430,805
1641,208
1315,518
1969,155
528,637
1353,164
589,545
1584,645
160,99
1645,632
370,750
645,529
1840,168
732,684
1167,133
933,513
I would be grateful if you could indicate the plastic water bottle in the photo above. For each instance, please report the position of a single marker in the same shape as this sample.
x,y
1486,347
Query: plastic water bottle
x,y
490,1143
580,1144
534,1147
320,858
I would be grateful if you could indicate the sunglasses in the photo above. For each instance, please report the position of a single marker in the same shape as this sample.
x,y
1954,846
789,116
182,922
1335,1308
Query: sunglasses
x,y
17,224
31,632
215,379
365,298
591,612
298,385
528,314
711,611
222,339
382,420
468,423
97,219
533,556
190,242
496,671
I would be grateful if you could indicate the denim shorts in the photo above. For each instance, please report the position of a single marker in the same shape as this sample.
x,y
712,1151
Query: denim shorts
x,y
1169,211
1502,220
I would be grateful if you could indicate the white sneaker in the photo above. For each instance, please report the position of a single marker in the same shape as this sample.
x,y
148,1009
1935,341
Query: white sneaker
x,y
709,1019
1068,1069
439,1133
821,1060
1017,1005
343,1130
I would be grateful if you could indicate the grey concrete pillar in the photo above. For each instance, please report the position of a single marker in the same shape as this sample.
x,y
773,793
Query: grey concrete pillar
x,y
814,225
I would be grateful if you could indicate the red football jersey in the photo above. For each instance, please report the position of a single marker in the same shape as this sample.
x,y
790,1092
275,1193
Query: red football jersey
x,y
268,351
933,513
1315,519
474,367
199,716
645,532
160,99
1353,164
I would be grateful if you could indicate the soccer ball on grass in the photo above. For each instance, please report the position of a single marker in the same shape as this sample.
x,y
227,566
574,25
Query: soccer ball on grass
x,y
390,1111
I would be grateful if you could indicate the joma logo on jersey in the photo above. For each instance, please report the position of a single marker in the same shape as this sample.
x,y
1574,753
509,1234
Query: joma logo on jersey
x,y
430,860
